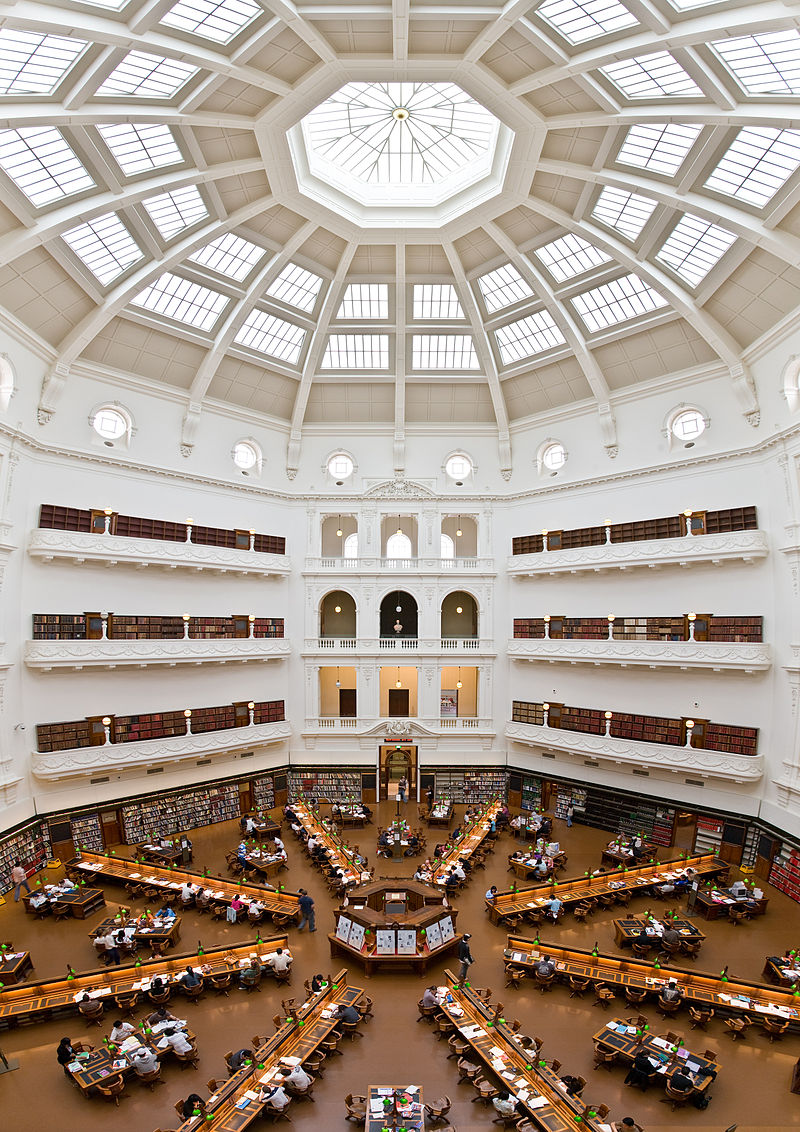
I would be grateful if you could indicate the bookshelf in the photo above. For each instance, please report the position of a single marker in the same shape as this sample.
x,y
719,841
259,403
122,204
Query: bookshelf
x,y
30,844
56,518
165,814
310,785
59,627
471,785
577,795
149,627
264,792
619,812
672,628
522,712
87,832
640,530
708,835
531,793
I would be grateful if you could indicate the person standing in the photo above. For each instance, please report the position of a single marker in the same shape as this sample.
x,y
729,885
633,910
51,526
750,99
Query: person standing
x,y
429,797
307,914
402,788
19,878
570,815
464,957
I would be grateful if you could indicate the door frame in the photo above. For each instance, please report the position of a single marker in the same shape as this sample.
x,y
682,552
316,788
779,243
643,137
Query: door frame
x,y
385,752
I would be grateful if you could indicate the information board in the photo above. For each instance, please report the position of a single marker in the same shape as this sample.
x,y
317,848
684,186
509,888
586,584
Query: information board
x,y
386,941
434,936
343,929
447,929
357,936
406,941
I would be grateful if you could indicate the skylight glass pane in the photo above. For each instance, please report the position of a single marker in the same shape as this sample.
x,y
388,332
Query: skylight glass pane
x,y
763,64
273,336
626,212
112,5
502,288
219,20
569,256
443,351
105,245
137,149
172,212
436,300
296,286
579,20
229,255
660,147
182,301
616,302
693,247
651,76
41,164
147,76
528,336
356,351
35,64
365,300
757,164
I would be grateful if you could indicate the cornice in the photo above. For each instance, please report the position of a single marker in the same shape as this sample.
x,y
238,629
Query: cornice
x,y
48,656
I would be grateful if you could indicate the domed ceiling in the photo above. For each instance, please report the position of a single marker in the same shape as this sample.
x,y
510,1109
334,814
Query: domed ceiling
x,y
398,213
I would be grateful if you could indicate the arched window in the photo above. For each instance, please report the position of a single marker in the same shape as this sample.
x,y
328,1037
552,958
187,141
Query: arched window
x,y
6,381
448,547
398,546
351,546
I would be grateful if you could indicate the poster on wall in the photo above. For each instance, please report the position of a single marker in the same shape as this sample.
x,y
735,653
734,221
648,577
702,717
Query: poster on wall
x,y
449,701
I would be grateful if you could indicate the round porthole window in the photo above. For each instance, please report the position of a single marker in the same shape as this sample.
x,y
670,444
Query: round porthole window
x,y
340,467
688,425
458,467
110,424
245,456
554,457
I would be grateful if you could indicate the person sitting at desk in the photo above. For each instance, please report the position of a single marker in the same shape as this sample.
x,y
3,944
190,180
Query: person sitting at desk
x,y
241,853
429,996
241,1058
554,907
438,852
177,1039
312,843
280,962
546,967
680,1082
120,1031
454,836
413,845
505,1104
458,871
518,822
187,892
37,900
88,1006
144,1061
194,1105
671,936
346,1014
65,1053
254,908
641,1072
317,983
671,992
278,844
203,898
234,908
642,939
250,826
451,881
275,1095
190,979
296,1076
158,985
503,818
540,869
419,873
249,976
159,1015
166,914
491,893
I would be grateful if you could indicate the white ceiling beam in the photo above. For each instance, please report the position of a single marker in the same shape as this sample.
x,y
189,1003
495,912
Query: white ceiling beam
x,y
400,20
401,321
783,115
495,29
302,28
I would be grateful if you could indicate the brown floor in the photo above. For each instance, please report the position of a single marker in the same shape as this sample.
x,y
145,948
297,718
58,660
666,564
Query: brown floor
x,y
752,1089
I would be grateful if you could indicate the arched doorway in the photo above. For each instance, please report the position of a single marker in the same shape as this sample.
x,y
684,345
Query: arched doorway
x,y
337,616
398,608
459,616
397,760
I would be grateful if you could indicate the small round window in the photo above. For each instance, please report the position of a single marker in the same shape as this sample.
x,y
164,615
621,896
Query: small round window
x,y
458,467
554,457
110,424
688,424
245,456
340,466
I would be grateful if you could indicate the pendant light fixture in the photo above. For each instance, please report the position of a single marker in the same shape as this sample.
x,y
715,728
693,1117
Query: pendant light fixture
x,y
398,608
399,526
458,681
339,527
338,681
398,682
459,532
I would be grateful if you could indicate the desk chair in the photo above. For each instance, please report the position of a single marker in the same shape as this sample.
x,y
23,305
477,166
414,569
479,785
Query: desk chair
x,y
635,995
604,1059
581,911
514,976
603,995
113,1089
458,1046
700,1017
218,912
127,1003
669,951
191,1058
300,1094
221,983
623,898
364,1007
555,1064
737,1027
258,1040
427,1013
676,1097
736,915
275,1114
61,911
544,982
775,1029
351,1030
507,1121
150,1079
485,1092
691,947
331,1044
467,1070
437,1110
640,950
94,1017
160,997
314,1063
284,920
667,1009
356,1106
213,1084
194,993
578,986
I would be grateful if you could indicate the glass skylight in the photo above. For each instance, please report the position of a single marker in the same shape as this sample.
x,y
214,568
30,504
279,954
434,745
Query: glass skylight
x,y
768,63
137,149
436,300
618,301
35,64
758,162
528,336
173,211
112,5
579,20
296,286
651,76
219,20
273,336
177,298
105,245
569,256
626,212
41,164
365,300
660,147
356,351
502,288
147,76
693,247
443,351
229,255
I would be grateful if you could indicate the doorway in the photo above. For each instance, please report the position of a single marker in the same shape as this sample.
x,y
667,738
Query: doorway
x,y
685,830
347,702
397,760
398,702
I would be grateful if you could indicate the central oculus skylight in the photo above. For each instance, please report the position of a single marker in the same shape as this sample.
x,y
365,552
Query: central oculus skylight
x,y
401,149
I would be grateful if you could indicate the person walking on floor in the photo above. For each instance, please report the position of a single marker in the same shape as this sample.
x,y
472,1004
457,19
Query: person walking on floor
x,y
307,915
570,815
402,787
19,878
464,957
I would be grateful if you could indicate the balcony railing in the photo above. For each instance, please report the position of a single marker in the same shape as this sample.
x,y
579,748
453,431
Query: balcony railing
x,y
64,655
399,726
424,646
376,564
714,655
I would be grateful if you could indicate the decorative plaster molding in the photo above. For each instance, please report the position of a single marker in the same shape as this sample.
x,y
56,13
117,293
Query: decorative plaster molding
x,y
653,654
50,655
447,649
48,546
117,757
407,728
399,489
628,752
445,568
745,546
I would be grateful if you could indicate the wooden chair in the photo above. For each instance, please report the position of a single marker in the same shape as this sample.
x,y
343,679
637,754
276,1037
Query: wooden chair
x,y
623,898
737,1027
356,1106
676,1097
604,1059
113,1089
580,912
700,1017
61,911
555,1064
127,1003
775,1029
158,998
603,995
506,1121
190,1058
458,1046
736,915
668,951
364,1007
444,1027
544,982
437,1110
467,1070
578,986
691,947
94,1016
299,1094
514,976
485,1091
314,1063
221,984
331,1044
351,1030
426,1013
667,1009
258,1040
194,993
275,1114
635,995
150,1079
711,1055
231,1069
640,950
213,1084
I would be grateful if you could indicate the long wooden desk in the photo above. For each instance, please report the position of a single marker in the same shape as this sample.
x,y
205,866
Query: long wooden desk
x,y
713,904
776,968
222,1113
627,930
38,1002
440,814
165,937
339,854
14,967
619,1037
517,901
536,1085
122,871
265,864
616,857
472,840
81,903
159,854
406,1108
730,998
524,868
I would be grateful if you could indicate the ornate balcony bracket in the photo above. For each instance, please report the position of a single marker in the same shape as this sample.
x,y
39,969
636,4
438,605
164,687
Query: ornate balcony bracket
x,y
112,550
714,655
48,656
628,752
80,762
737,546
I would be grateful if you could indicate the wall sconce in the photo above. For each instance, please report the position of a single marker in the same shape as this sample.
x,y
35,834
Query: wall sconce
x,y
608,718
611,619
337,609
399,526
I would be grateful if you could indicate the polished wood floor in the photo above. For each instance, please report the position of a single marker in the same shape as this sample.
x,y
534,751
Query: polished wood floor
x,y
752,1090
